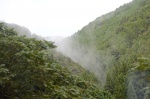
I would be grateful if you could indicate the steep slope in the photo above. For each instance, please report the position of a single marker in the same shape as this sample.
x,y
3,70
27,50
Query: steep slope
x,y
58,57
110,45
28,70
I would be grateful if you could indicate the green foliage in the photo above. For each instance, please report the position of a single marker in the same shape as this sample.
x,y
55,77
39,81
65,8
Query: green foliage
x,y
118,39
139,80
110,45
28,70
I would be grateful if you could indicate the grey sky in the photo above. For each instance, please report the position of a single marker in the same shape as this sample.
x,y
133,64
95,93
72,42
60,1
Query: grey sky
x,y
55,17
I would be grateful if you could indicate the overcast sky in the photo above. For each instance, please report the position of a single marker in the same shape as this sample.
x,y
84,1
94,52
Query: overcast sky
x,y
55,17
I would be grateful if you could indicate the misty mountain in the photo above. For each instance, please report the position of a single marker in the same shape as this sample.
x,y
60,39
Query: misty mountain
x,y
55,39
23,31
31,68
112,45
107,59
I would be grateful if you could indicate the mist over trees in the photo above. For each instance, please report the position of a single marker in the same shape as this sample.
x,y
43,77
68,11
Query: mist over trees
x,y
110,47
107,59
32,68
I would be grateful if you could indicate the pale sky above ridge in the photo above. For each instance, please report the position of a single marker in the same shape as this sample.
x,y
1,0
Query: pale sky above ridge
x,y
55,17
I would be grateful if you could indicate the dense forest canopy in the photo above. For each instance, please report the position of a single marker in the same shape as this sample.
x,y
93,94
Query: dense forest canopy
x,y
31,68
112,45
107,59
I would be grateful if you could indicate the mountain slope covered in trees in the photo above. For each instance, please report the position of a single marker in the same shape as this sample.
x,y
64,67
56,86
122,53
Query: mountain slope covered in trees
x,y
112,46
115,47
32,69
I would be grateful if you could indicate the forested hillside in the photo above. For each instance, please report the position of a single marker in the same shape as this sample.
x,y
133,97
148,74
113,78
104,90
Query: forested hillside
x,y
113,50
116,47
33,69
